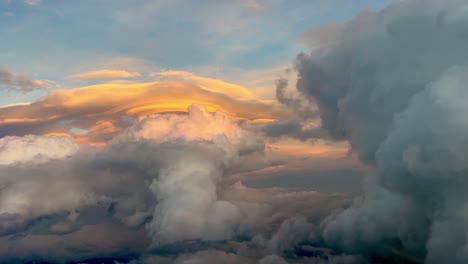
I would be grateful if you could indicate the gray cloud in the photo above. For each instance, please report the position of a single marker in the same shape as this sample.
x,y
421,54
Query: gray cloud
x,y
272,260
322,37
304,113
292,128
17,82
393,85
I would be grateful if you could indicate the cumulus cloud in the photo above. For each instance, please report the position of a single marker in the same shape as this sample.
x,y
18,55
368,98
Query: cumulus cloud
x,y
189,171
32,185
159,187
34,149
18,82
393,85
103,75
164,175
304,125
293,128
322,37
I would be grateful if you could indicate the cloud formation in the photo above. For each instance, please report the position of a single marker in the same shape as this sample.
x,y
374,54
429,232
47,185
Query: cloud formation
x,y
101,110
189,172
162,185
210,84
103,75
393,85
34,149
17,82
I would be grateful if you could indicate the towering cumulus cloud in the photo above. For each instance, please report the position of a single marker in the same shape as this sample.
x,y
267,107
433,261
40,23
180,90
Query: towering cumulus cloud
x,y
394,83
195,150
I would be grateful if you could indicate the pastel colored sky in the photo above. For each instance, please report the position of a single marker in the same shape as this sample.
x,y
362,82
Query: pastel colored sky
x,y
233,131
76,67
247,42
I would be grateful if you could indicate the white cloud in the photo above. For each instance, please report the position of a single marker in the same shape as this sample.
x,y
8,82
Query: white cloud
x,y
34,149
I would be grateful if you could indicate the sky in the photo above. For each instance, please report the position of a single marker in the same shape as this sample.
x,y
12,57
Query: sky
x,y
233,131
227,40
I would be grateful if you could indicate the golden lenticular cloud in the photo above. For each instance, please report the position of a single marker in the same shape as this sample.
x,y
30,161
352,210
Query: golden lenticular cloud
x,y
99,111
210,84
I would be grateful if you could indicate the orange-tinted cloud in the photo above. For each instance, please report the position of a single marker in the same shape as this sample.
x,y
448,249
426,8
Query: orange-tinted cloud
x,y
316,149
213,85
103,75
19,82
101,110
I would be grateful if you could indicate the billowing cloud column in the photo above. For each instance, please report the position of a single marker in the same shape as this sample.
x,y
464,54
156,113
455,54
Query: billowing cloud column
x,y
394,85
194,152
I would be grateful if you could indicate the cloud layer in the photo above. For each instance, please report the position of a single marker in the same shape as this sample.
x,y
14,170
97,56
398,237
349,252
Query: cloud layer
x,y
159,185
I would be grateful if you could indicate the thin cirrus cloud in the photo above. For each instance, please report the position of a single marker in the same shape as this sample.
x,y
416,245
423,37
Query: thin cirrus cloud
x,y
103,75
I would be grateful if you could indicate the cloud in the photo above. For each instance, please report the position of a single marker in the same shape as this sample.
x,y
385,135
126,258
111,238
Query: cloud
x,y
32,2
322,37
292,128
393,86
291,232
304,124
211,257
33,184
18,82
107,241
210,84
103,75
189,171
272,260
164,178
254,5
34,149
116,105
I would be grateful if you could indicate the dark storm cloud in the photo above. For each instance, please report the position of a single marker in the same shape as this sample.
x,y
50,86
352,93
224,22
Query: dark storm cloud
x,y
394,85
292,128
304,112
